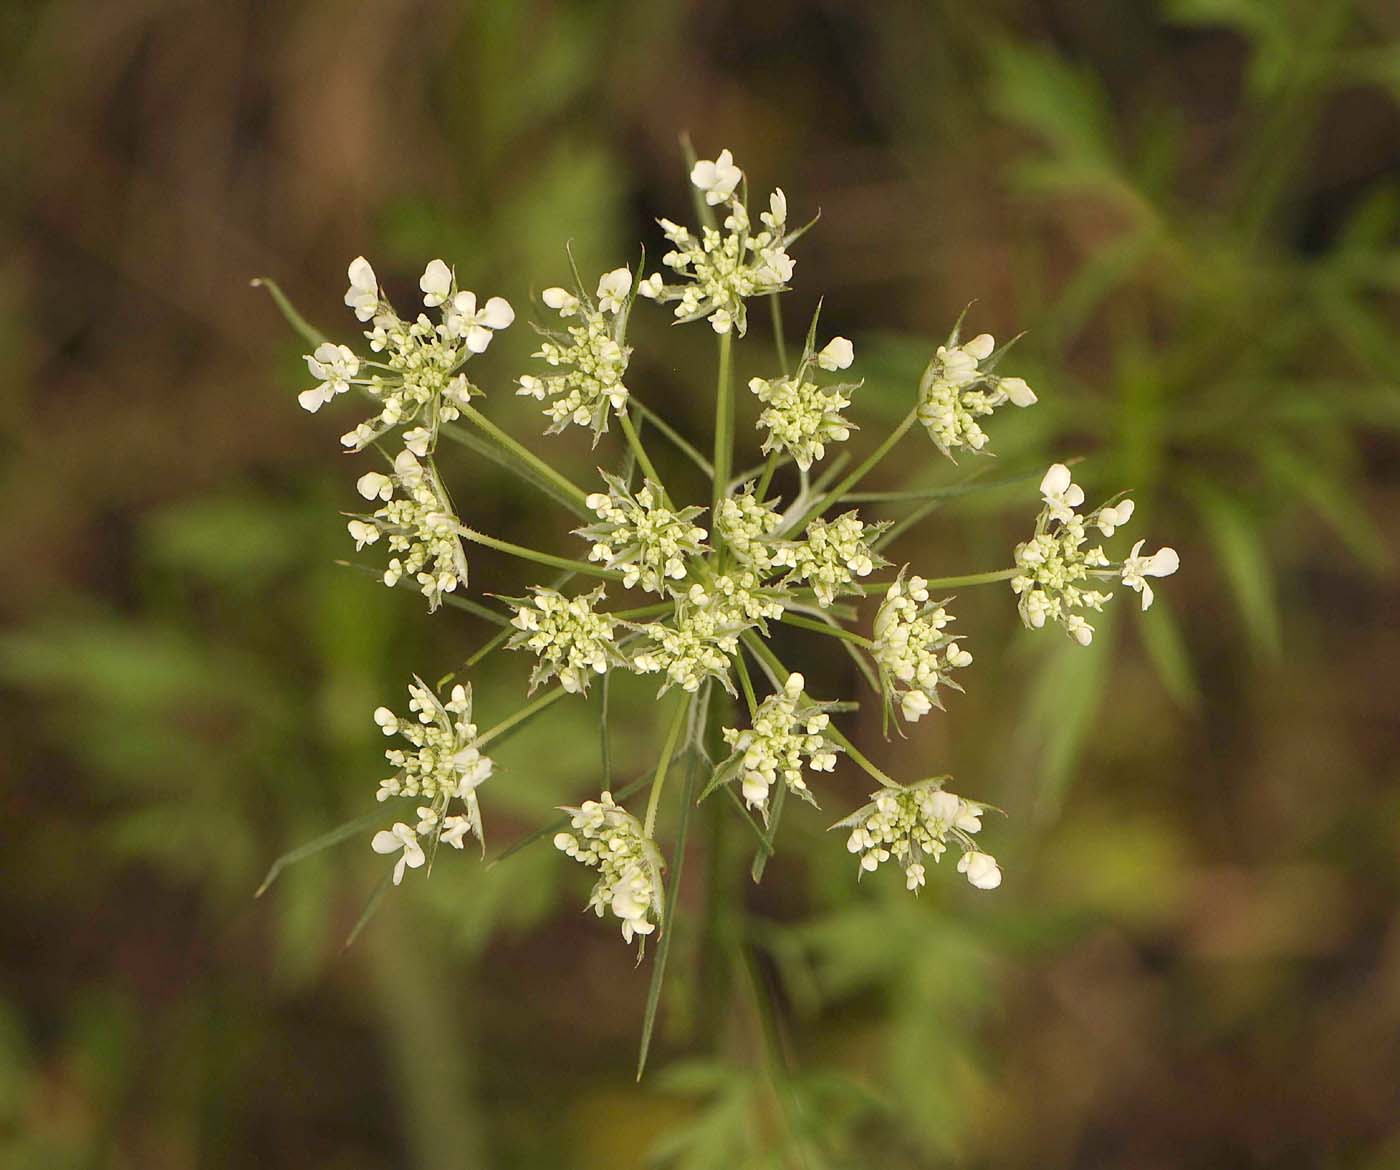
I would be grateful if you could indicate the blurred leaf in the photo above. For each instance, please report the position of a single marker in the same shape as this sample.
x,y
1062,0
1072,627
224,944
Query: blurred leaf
x,y
1167,648
1239,544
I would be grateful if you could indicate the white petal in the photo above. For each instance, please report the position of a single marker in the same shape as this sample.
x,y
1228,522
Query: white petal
x,y
703,175
1018,392
385,842
1163,563
497,314
436,283
1055,481
362,276
980,346
315,398
478,338
837,354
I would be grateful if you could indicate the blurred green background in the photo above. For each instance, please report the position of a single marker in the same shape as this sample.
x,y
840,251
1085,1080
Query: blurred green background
x,y
1193,208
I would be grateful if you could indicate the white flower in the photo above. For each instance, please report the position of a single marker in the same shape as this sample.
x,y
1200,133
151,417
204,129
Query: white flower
x,y
981,870
651,287
913,648
915,824
570,638
718,178
561,300
980,347
954,393
744,524
1055,566
419,376
419,523
363,294
637,534
1017,391
466,321
775,218
436,283
1114,517
831,557
786,731
418,440
608,838
613,288
589,358
375,486
334,365
1060,493
1136,569
454,829
722,268
801,417
400,837
362,533
443,765
837,354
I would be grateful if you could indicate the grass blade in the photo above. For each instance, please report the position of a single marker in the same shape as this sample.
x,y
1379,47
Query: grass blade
x,y
370,907
663,948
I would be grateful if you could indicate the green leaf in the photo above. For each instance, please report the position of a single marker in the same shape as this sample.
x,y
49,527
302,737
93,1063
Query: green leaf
x,y
376,899
316,845
1239,545
1166,647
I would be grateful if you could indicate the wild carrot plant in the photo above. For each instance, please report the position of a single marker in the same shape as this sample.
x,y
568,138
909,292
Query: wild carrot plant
x,y
687,591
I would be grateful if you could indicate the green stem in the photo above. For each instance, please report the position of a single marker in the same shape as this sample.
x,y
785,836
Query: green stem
x,y
839,491
645,611
634,440
830,631
746,684
523,453
761,651
682,444
667,751
767,478
971,579
861,759
724,418
529,711
779,340
493,644
540,558
309,333
487,448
